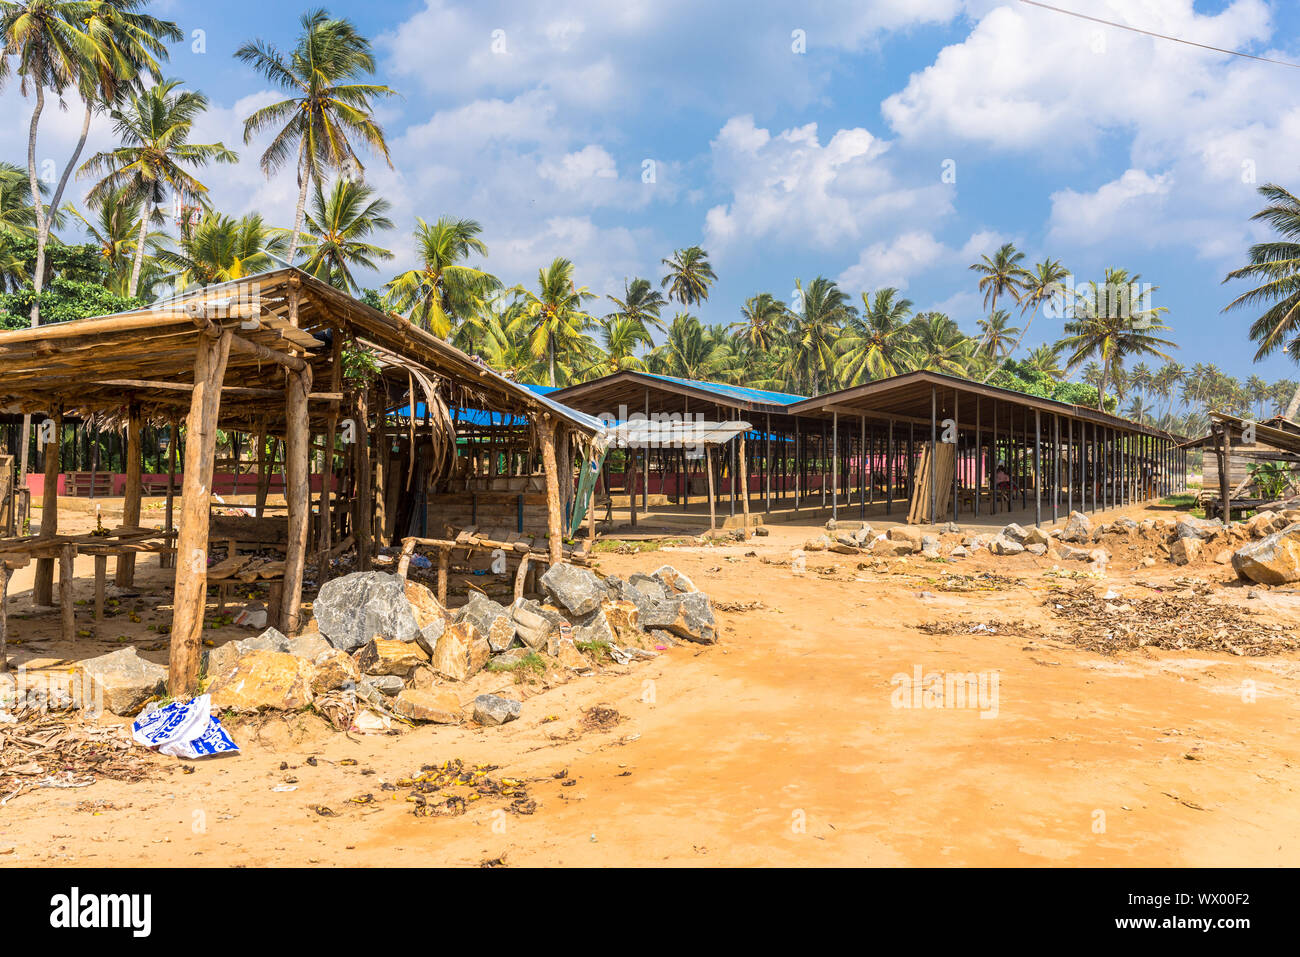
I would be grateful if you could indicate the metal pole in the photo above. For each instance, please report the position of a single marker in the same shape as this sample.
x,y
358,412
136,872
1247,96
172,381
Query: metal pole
x,y
889,471
956,448
934,441
979,458
1056,466
1038,470
835,466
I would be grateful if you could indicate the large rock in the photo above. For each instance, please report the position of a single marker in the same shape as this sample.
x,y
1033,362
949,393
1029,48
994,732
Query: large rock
x,y
434,706
1034,535
578,589
263,679
430,616
334,670
1198,528
674,581
624,617
384,656
121,681
1273,560
492,710
492,619
535,624
594,627
353,609
1001,545
461,652
1184,551
1015,533
224,656
905,533
310,646
1077,529
693,618
894,547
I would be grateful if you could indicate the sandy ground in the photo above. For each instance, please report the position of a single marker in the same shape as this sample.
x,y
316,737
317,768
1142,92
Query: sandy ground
x,y
780,745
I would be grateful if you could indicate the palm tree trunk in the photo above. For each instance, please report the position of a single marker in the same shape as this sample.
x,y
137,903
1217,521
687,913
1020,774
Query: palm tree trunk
x,y
38,206
1293,406
1101,385
304,178
139,251
1023,333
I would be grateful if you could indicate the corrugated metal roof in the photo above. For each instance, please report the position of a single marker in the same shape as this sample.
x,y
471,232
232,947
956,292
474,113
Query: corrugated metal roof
x,y
733,391
480,417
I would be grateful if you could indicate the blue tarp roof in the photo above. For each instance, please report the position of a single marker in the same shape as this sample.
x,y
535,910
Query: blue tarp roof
x,y
733,391
480,417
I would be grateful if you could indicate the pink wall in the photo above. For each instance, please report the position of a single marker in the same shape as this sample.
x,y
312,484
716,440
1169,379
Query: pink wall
x,y
223,483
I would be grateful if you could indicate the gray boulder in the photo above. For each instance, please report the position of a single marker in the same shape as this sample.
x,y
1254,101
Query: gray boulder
x,y
121,681
534,624
579,590
1273,560
1077,529
1001,545
492,710
1015,533
1198,528
353,609
674,581
693,618
491,618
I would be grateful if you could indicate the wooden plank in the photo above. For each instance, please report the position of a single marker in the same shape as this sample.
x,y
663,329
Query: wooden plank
x,y
297,494
125,576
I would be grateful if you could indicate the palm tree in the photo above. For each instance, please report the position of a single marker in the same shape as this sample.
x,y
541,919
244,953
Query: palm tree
x,y
155,130
641,303
688,353
326,110
339,225
1037,288
815,331
115,229
443,290
558,322
220,249
763,318
96,47
997,332
938,345
1111,330
689,276
620,336
1276,265
874,342
1046,360
1000,275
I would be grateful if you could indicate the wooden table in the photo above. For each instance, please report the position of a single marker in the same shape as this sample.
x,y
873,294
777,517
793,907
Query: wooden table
x,y
530,557
17,552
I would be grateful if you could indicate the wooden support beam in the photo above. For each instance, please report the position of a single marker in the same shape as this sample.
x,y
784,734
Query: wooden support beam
x,y
125,575
744,483
297,495
4,616
67,603
190,591
43,589
550,468
363,494
708,467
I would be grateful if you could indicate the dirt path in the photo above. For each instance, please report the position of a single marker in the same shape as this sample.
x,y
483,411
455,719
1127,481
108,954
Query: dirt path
x,y
781,745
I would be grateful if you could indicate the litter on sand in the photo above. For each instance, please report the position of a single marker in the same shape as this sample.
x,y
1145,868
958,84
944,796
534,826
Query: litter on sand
x,y
183,730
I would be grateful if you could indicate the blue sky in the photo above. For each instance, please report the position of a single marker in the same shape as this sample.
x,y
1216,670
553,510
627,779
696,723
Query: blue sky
x,y
793,140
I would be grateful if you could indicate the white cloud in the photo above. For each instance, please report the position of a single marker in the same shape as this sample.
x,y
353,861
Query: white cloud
x,y
1117,209
789,185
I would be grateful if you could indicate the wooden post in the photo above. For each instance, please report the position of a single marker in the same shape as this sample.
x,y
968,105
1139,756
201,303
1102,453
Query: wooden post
x,y
101,579
1038,469
191,586
708,467
934,448
362,510
68,617
4,613
1225,459
125,575
555,534
43,590
521,576
297,494
173,450
744,483
835,466
444,565
263,474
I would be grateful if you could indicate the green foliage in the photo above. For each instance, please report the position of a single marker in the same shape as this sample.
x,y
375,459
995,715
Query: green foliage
x,y
359,365
77,290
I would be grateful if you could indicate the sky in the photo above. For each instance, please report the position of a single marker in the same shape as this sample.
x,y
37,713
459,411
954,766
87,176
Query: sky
x,y
875,142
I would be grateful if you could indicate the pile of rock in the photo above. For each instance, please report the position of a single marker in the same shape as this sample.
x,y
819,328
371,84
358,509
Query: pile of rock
x,y
388,644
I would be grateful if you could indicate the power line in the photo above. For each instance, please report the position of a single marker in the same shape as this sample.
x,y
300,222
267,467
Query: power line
x,y
1160,36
